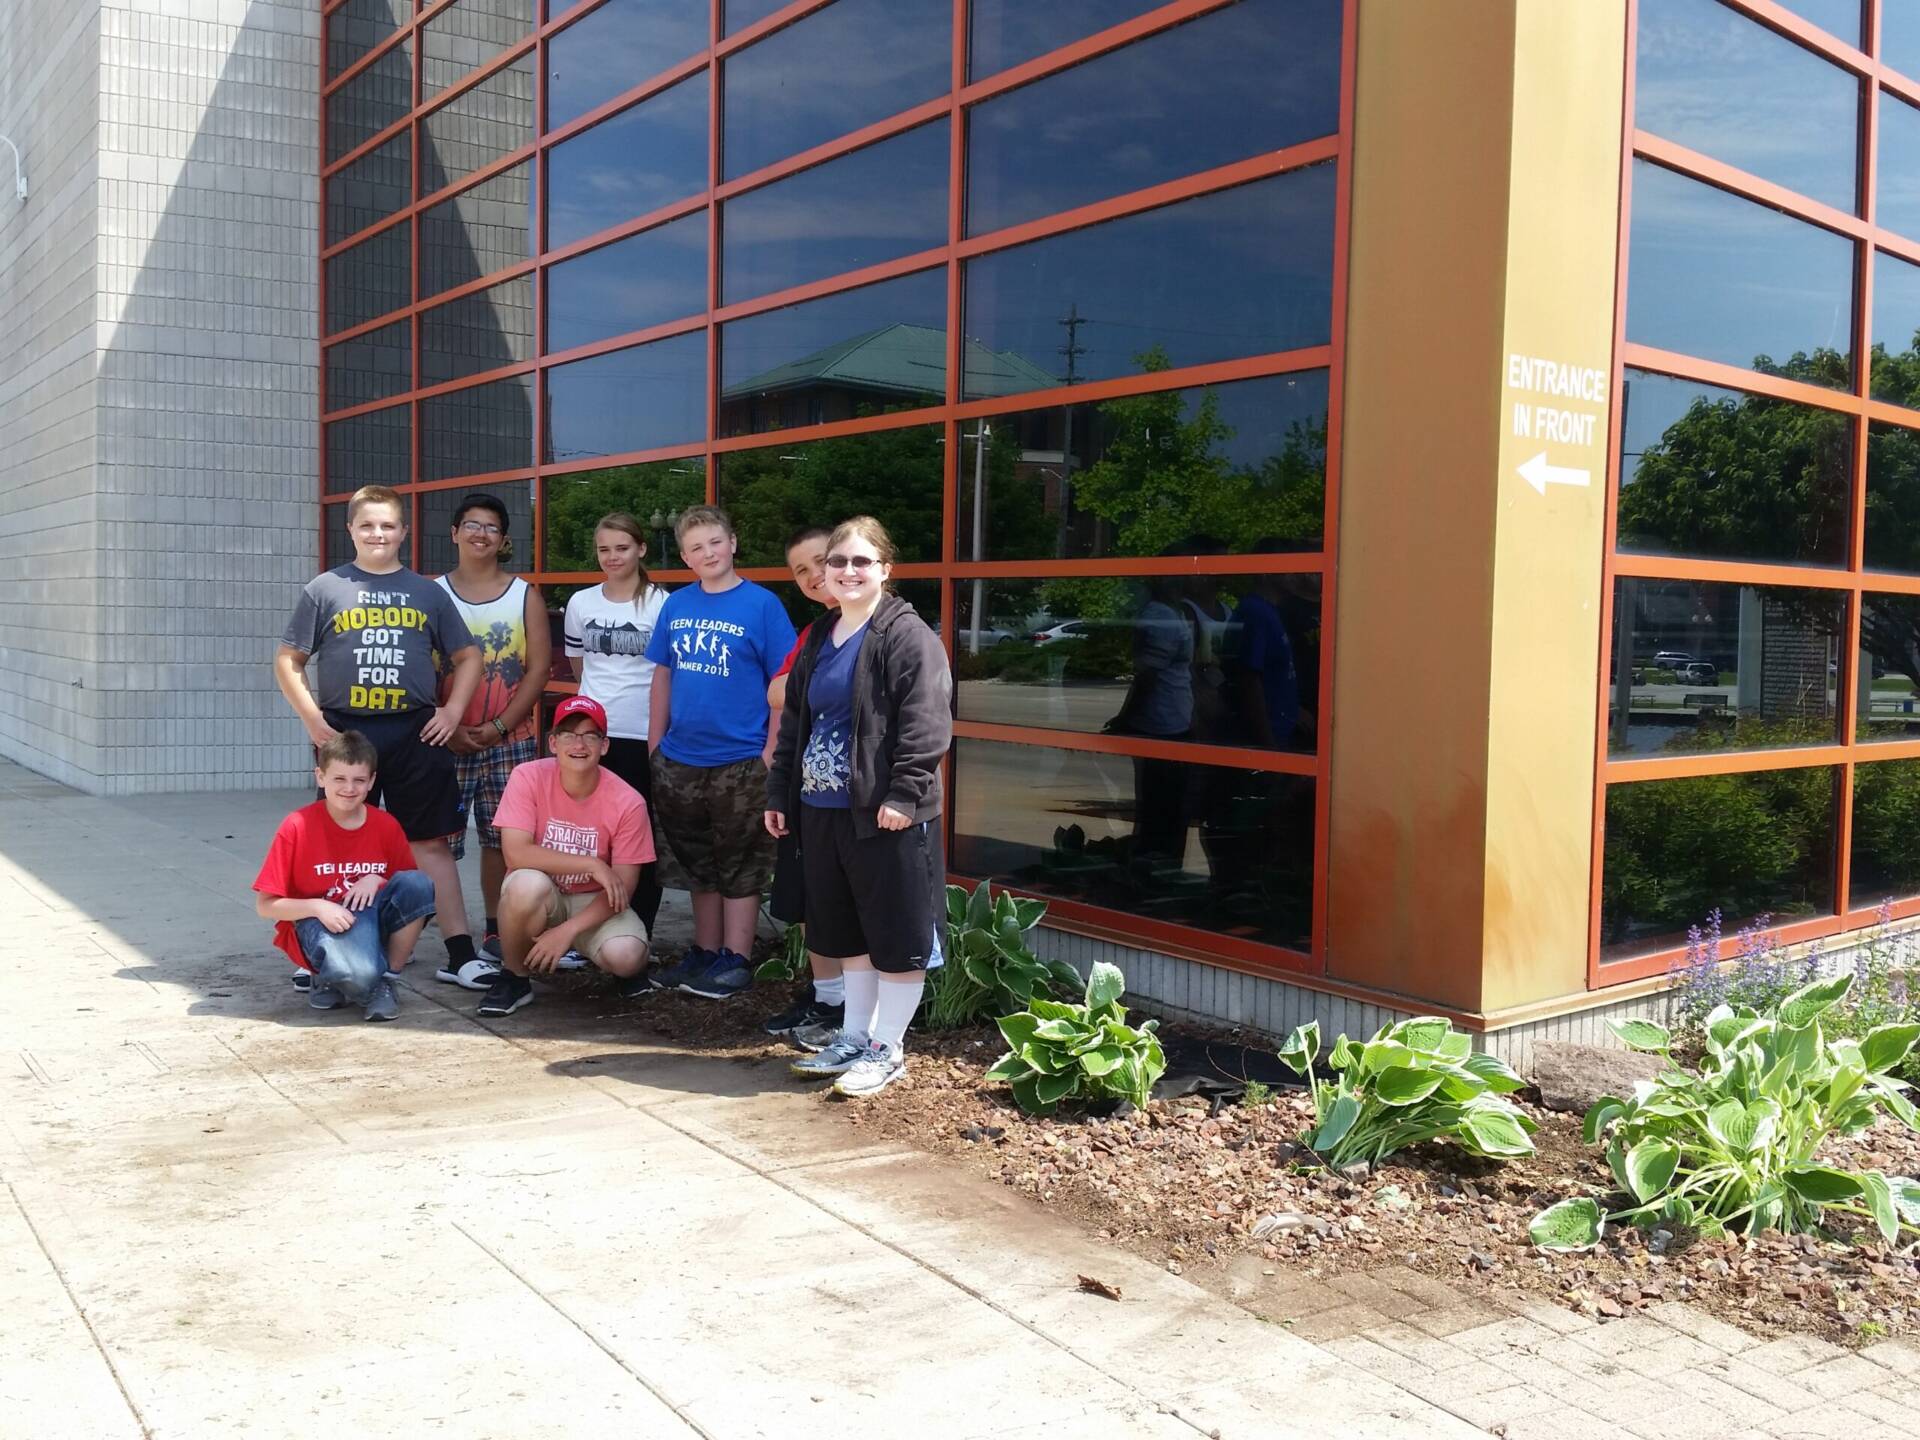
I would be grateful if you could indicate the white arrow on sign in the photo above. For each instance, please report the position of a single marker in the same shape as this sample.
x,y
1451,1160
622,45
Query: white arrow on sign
x,y
1539,474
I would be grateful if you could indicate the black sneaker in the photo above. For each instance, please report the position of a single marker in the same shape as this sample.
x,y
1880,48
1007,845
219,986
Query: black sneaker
x,y
804,1012
635,987
506,995
303,980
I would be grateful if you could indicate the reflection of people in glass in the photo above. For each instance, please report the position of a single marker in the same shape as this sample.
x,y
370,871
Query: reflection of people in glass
x,y
1159,703
1268,688
1207,618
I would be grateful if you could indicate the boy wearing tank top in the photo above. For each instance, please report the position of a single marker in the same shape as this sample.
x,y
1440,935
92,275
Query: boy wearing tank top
x,y
508,620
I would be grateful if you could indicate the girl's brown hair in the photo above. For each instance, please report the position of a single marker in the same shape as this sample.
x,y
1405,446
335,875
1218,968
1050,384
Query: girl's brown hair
x,y
625,524
868,529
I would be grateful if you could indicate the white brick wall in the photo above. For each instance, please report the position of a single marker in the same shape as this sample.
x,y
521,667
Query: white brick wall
x,y
49,100
186,523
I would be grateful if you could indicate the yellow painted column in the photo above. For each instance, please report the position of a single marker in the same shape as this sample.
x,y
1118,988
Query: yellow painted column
x,y
1473,463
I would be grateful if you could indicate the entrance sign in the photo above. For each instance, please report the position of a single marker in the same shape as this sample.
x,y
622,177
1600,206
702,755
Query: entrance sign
x,y
1559,403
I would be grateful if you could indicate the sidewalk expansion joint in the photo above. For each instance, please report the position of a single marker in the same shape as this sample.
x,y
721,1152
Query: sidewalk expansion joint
x,y
80,1310
258,1075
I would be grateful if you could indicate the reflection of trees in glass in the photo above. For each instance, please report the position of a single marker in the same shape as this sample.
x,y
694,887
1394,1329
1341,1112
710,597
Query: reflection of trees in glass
x,y
1746,844
893,475
1886,830
575,504
1165,476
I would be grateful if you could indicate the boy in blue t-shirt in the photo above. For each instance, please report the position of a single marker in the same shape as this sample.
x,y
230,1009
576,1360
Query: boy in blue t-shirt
x,y
718,645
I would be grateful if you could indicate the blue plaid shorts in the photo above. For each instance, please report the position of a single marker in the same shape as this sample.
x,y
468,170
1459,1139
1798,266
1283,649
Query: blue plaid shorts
x,y
483,780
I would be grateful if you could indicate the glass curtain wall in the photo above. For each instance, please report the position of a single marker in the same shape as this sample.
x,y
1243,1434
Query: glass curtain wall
x,y
1760,696
1052,290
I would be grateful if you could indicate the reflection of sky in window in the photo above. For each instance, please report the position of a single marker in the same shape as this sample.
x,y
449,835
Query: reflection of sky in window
x,y
615,48
1720,83
843,67
655,276
1899,35
1261,412
1897,199
1649,405
648,155
1713,275
638,399
736,15
1240,272
1006,32
876,204
1253,77
750,348
1896,305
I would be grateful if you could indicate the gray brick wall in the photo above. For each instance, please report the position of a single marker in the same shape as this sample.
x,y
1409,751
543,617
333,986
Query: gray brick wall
x,y
186,522
49,105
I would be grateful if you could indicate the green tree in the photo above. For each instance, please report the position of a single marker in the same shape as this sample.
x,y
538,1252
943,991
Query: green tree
x,y
893,475
575,504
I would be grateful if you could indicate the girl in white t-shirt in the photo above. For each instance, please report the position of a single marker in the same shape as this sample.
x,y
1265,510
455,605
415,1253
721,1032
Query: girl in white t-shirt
x,y
607,630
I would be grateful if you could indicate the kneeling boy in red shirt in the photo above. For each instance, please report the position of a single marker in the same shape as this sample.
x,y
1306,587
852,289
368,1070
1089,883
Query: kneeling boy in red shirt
x,y
340,880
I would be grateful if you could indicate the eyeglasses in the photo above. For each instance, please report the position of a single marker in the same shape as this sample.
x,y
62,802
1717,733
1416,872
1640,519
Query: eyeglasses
x,y
578,739
480,527
858,562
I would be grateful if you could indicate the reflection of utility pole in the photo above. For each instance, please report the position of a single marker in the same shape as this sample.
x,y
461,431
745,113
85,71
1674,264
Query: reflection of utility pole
x,y
982,433
1072,350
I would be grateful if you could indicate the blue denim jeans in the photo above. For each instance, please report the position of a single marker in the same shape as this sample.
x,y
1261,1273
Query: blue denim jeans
x,y
353,961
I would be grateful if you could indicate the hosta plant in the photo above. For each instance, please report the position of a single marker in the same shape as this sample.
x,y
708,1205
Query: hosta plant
x,y
1063,1053
790,961
1415,1080
989,969
1736,1145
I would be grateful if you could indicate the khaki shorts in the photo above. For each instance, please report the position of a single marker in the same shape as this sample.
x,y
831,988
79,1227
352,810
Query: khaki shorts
x,y
562,907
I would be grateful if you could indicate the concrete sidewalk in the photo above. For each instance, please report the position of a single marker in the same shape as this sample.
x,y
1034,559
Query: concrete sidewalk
x,y
228,1215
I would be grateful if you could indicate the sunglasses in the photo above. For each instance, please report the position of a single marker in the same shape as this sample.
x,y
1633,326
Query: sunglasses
x,y
858,562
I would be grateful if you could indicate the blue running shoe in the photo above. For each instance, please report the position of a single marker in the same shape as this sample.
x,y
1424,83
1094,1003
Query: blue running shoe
x,y
668,977
726,975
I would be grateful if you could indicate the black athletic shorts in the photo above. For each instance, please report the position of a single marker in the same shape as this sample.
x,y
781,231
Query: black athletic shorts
x,y
874,897
418,784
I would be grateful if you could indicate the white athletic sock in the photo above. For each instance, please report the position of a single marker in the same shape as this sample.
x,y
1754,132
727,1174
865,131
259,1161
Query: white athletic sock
x,y
863,995
898,1000
831,992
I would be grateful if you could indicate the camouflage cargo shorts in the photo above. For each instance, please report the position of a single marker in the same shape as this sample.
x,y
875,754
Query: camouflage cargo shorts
x,y
713,819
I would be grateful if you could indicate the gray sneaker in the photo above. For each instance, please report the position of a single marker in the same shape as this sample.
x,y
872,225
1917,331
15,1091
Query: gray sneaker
x,y
837,1058
324,997
382,1005
878,1067
816,1037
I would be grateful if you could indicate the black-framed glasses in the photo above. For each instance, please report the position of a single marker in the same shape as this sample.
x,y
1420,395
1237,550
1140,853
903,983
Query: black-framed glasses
x,y
858,562
480,527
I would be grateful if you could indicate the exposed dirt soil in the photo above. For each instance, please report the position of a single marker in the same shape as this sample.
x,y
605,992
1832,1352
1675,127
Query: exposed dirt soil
x,y
1193,1183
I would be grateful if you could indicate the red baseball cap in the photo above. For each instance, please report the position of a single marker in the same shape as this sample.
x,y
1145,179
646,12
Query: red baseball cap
x,y
581,705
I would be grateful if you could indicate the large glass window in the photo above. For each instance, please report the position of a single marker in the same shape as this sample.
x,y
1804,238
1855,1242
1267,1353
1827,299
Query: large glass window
x,y
484,228
1239,272
1701,665
477,431
1893,498
654,493
840,68
612,48
1899,34
370,367
353,29
466,35
880,203
1888,671
369,279
478,126
1721,83
1213,848
893,475
373,100
629,165
370,189
881,347
1897,175
484,330
646,279
1210,659
1896,331
626,400
1757,846
370,449
1722,475
1723,278
1886,833
1238,468
1008,32
1253,77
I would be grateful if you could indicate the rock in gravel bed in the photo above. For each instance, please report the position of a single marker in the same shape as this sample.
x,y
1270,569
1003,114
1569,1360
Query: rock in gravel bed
x,y
1572,1077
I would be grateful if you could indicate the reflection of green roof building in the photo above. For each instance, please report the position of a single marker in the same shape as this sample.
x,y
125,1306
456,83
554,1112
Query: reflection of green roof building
x,y
896,365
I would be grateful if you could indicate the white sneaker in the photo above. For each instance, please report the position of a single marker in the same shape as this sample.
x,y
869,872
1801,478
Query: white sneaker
x,y
836,1058
878,1067
476,974
572,960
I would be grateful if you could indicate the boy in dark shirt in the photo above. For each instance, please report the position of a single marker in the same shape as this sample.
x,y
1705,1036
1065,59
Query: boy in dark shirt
x,y
372,628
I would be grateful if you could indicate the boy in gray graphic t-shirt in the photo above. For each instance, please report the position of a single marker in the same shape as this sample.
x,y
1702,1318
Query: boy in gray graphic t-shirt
x,y
373,629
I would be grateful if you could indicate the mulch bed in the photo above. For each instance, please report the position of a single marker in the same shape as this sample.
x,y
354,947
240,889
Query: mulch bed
x,y
1193,1182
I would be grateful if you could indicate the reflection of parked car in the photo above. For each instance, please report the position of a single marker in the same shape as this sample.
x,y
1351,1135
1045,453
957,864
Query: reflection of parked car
x,y
1699,672
1065,630
1671,659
